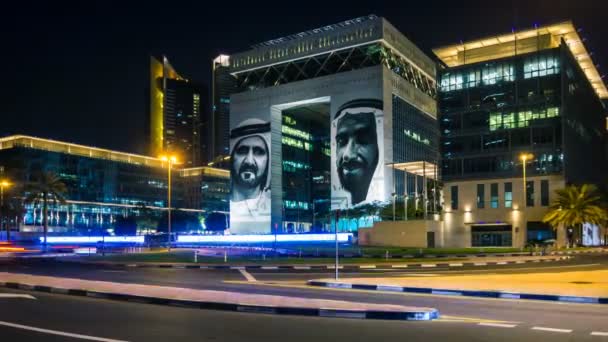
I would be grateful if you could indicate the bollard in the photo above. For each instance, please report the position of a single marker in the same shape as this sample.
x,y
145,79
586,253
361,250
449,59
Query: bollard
x,y
386,255
195,256
225,256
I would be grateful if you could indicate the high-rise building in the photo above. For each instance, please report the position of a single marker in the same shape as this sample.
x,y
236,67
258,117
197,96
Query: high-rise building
x,y
223,85
339,118
533,92
176,110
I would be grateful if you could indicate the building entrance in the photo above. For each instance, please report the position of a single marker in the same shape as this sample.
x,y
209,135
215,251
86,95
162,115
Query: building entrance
x,y
494,235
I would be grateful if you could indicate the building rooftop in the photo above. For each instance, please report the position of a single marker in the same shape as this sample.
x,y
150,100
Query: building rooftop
x,y
99,153
521,42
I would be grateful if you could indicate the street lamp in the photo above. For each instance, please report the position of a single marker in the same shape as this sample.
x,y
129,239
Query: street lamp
x,y
3,184
524,158
172,160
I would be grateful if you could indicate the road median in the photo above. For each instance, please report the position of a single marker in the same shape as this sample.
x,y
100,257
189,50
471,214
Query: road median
x,y
588,287
215,300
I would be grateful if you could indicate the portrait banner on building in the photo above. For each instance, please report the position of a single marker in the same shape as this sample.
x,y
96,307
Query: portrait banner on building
x,y
357,153
250,176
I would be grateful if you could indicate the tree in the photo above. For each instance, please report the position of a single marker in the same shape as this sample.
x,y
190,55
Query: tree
x,y
216,222
125,225
574,206
47,188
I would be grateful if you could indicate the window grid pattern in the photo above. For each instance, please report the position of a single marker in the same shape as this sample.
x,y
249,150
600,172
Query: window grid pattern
x,y
539,65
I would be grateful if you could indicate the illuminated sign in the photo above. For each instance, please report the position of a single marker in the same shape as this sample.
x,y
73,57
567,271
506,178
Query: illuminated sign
x,y
342,237
93,239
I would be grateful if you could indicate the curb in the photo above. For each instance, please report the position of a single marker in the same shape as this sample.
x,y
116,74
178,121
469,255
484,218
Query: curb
x,y
463,293
320,267
414,315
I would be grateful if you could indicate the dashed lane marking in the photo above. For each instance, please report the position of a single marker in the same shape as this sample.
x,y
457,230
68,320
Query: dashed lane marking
x,y
16,295
599,333
565,331
497,325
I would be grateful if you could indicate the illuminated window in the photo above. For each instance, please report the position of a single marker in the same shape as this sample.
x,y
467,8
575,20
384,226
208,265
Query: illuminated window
x,y
541,65
519,120
494,195
508,195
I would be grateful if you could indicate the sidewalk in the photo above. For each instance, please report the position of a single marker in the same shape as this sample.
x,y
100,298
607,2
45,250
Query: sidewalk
x,y
218,300
577,286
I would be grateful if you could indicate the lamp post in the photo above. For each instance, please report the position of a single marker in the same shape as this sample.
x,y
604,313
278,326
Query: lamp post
x,y
3,184
524,158
171,160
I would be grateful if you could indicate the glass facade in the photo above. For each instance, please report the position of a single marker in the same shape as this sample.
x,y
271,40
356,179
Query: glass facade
x,y
493,111
415,138
100,190
306,169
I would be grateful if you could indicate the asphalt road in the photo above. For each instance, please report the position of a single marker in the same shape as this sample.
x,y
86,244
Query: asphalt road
x,y
508,319
102,320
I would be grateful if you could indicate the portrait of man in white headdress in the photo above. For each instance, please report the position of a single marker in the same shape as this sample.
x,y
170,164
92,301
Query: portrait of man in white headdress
x,y
249,175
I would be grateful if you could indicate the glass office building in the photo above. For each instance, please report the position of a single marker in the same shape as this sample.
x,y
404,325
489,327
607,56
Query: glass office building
x,y
103,185
327,123
535,92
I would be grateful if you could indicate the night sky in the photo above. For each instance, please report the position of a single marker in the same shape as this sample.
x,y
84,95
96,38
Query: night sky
x,y
77,71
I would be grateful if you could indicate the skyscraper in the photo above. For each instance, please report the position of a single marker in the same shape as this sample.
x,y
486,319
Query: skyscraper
x,y
223,84
175,112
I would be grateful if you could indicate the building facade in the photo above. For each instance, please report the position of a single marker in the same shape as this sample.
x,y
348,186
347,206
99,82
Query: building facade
x,y
223,85
330,122
533,92
103,185
177,109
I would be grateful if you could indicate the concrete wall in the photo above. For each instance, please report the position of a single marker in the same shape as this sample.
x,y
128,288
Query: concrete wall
x,y
400,233
457,223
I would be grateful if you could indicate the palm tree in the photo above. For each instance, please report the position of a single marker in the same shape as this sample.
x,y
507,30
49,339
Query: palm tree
x,y
47,188
574,206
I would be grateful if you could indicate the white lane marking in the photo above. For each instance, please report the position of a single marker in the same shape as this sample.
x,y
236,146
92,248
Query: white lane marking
x,y
428,265
497,325
60,333
367,266
270,267
113,271
247,275
15,295
480,264
599,333
301,267
456,265
566,331
501,263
